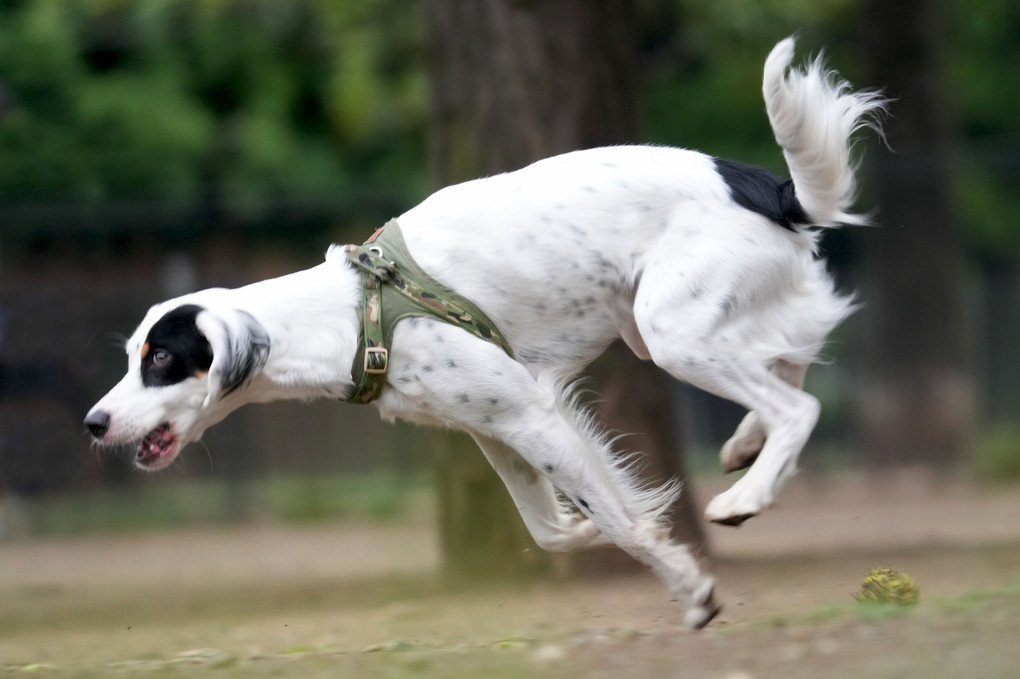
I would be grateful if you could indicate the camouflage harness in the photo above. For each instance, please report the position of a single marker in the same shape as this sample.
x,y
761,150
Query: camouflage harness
x,y
395,287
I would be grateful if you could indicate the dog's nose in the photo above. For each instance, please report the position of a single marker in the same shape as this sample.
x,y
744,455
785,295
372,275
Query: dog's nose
x,y
97,422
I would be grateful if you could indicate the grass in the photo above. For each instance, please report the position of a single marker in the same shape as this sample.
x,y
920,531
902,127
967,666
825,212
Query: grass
x,y
998,454
377,496
970,603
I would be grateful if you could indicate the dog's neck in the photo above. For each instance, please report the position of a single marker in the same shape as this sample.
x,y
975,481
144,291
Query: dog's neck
x,y
311,319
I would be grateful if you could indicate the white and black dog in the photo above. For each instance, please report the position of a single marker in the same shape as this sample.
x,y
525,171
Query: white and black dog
x,y
705,266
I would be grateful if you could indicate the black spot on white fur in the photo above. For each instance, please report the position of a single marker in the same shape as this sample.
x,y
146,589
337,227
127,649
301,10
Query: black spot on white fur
x,y
176,350
758,190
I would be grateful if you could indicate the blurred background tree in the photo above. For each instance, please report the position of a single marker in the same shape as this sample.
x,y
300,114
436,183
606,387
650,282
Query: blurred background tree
x,y
512,83
917,384
243,102
148,148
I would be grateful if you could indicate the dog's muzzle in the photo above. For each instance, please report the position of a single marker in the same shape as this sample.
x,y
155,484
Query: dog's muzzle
x,y
155,450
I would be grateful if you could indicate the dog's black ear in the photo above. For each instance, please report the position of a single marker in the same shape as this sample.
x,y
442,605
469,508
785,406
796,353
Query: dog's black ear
x,y
240,347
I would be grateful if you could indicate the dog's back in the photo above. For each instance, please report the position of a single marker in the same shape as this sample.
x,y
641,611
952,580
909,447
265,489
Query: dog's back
x,y
554,252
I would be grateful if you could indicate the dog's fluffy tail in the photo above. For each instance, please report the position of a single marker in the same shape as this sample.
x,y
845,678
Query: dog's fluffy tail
x,y
813,115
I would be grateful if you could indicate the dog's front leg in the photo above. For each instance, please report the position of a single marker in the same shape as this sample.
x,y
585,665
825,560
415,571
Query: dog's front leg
x,y
555,440
554,525
446,375
566,458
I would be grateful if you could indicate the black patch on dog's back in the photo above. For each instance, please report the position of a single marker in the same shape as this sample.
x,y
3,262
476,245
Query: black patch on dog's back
x,y
758,190
175,349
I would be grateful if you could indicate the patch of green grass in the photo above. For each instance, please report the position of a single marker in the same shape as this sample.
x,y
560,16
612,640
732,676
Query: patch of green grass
x,y
976,599
299,499
871,611
127,509
824,614
970,602
998,454
374,496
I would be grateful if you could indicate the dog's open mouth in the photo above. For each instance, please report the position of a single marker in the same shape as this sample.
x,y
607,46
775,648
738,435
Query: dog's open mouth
x,y
157,449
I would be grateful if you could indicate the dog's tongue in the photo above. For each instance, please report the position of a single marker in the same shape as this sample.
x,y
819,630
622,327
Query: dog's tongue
x,y
154,446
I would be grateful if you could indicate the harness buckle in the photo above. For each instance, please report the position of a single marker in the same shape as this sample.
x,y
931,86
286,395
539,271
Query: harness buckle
x,y
376,360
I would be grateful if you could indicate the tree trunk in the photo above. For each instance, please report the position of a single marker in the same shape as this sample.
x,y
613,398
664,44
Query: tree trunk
x,y
514,81
918,401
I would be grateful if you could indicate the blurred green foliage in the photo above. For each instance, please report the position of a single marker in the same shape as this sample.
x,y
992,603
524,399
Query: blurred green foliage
x,y
983,64
244,101
191,99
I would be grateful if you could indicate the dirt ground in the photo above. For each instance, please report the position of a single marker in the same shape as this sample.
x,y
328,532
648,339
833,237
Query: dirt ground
x,y
365,600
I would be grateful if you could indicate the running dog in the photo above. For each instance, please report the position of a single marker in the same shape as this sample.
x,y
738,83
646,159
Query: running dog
x,y
705,266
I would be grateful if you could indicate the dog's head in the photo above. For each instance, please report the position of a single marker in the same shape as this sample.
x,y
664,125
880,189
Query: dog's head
x,y
188,366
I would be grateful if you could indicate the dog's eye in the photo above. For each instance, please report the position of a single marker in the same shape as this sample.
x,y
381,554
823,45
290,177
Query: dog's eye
x,y
161,358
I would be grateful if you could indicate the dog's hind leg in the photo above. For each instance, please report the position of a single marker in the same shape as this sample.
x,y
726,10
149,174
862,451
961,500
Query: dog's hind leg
x,y
704,325
787,415
742,449
553,523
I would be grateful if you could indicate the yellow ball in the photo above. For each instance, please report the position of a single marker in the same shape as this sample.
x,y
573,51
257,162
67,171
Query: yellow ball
x,y
887,586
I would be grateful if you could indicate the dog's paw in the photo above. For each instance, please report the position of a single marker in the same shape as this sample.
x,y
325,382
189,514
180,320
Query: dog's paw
x,y
735,506
739,454
742,449
576,535
704,606
584,534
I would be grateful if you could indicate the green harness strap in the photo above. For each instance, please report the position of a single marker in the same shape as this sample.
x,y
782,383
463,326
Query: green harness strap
x,y
395,287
